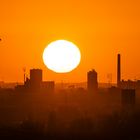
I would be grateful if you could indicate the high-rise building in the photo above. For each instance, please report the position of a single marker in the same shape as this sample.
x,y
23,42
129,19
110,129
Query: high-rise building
x,y
35,78
36,84
118,70
92,82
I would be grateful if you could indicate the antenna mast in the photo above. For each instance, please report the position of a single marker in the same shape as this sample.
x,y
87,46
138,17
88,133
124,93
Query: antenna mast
x,y
24,71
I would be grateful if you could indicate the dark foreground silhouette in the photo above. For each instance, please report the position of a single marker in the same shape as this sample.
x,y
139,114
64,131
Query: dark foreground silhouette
x,y
124,126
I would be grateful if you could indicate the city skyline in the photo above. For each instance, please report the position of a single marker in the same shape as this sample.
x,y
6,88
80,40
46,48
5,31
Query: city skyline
x,y
109,76
118,81
69,69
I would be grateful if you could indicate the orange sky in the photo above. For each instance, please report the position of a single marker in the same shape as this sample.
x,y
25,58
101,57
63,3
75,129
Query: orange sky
x,y
101,29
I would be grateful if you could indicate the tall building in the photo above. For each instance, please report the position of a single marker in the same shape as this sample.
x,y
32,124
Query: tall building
x,y
36,84
35,78
92,82
118,70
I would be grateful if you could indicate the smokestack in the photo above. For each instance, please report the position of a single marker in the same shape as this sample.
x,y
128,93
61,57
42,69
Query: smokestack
x,y
118,70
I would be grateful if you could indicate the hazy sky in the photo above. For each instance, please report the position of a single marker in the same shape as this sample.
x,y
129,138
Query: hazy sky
x,y
100,29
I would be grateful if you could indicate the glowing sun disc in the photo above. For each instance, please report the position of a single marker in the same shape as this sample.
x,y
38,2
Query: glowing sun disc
x,y
61,56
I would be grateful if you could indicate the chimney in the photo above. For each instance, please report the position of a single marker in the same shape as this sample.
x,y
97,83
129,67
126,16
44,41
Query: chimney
x,y
118,70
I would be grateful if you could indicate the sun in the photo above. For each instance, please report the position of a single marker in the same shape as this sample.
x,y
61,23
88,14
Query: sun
x,y
61,56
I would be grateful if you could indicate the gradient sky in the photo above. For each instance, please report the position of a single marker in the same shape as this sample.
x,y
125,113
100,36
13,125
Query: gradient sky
x,y
100,29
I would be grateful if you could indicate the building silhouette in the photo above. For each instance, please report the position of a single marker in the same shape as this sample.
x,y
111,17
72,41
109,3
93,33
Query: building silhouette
x,y
125,84
130,84
92,82
36,78
35,81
